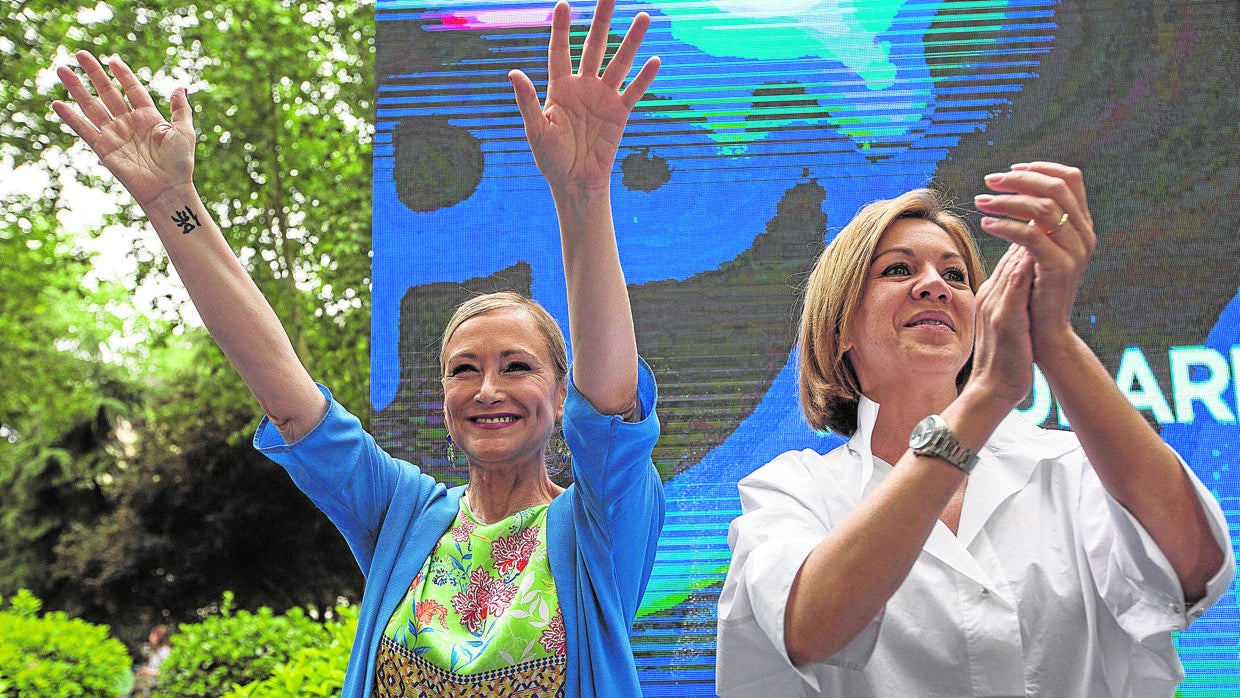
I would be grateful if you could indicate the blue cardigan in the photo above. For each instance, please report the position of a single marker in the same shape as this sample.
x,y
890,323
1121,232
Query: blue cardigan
x,y
601,532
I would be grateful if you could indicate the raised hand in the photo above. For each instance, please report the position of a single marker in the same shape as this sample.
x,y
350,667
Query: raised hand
x,y
1046,214
575,134
123,126
1003,352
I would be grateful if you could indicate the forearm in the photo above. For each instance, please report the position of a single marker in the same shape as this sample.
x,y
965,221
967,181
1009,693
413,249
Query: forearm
x,y
600,317
1134,464
846,580
235,312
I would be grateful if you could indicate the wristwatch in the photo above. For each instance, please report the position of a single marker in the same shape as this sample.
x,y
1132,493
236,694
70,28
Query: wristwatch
x,y
931,437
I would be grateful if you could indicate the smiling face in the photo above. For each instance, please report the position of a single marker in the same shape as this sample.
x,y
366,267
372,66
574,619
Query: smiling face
x,y
502,397
915,315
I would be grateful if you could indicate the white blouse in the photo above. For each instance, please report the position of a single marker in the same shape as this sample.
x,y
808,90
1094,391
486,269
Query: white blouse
x,y
1050,588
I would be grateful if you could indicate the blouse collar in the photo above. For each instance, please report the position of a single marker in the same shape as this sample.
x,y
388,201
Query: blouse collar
x,y
867,416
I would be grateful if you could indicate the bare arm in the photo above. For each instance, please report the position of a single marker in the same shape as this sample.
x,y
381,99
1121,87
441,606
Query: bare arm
x,y
848,578
154,160
1133,462
574,136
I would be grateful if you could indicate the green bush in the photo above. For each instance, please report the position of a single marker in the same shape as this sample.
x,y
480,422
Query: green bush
x,y
234,649
54,655
313,671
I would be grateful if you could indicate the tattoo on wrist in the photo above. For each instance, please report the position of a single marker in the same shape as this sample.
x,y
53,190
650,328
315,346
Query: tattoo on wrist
x,y
186,219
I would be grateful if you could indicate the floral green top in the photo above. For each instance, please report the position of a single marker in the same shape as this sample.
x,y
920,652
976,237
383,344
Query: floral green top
x,y
482,617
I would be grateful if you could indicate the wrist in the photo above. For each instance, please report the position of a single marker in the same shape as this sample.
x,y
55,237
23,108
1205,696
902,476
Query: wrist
x,y
580,195
975,413
1052,349
172,198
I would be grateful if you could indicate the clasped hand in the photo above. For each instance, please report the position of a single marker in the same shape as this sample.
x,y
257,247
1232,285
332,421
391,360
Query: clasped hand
x,y
1024,309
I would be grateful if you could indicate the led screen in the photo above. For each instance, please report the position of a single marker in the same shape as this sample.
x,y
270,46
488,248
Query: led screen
x,y
769,125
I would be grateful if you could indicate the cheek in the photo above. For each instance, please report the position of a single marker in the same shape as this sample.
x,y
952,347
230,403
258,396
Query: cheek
x,y
969,321
452,395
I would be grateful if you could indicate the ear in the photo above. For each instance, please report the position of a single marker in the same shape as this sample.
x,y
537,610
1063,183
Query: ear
x,y
561,395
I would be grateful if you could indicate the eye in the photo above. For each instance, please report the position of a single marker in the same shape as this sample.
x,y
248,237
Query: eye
x,y
517,366
956,275
897,269
462,368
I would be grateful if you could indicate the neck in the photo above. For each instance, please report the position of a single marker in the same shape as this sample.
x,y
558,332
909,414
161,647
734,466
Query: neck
x,y
900,409
494,495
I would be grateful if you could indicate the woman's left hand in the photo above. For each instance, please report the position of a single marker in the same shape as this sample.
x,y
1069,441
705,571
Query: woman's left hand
x,y
1044,211
576,133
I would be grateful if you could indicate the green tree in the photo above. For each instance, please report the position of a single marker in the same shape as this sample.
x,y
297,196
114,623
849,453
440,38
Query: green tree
x,y
281,92
151,443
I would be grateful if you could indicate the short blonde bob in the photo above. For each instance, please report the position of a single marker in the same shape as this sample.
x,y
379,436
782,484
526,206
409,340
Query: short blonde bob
x,y
828,384
547,326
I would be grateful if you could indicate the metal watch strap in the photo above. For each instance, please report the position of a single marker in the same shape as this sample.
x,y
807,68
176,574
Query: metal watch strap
x,y
943,444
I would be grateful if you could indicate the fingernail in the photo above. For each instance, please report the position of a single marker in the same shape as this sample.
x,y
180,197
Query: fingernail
x,y
994,177
983,199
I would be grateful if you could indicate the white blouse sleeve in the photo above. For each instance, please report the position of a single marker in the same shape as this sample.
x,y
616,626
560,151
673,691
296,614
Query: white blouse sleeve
x,y
1133,576
787,512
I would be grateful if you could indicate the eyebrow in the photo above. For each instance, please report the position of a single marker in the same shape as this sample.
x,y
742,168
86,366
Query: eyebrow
x,y
503,354
908,252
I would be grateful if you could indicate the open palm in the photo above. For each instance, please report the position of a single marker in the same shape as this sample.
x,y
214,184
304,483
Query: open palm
x,y
147,153
575,135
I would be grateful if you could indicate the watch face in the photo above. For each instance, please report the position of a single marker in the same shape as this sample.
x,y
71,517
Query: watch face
x,y
924,431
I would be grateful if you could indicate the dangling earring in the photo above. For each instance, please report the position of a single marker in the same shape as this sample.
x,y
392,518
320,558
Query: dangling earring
x,y
559,449
451,450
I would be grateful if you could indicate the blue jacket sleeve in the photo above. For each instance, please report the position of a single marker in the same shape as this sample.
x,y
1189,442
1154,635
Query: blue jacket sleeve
x,y
347,476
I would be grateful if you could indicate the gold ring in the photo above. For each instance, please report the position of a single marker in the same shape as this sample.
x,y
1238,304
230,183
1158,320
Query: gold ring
x,y
1062,219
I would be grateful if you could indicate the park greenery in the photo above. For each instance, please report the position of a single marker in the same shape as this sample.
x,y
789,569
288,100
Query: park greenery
x,y
129,492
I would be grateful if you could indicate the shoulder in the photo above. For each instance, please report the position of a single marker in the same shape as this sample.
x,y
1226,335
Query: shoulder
x,y
804,480
806,465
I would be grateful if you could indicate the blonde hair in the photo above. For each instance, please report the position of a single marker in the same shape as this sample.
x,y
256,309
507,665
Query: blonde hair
x,y
547,326
828,384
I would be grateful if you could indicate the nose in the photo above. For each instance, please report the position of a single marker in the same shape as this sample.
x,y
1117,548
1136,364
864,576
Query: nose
x,y
931,284
490,390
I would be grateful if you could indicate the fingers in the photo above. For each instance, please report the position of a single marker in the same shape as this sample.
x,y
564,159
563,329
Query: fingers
x,y
1032,201
1071,175
596,40
559,62
133,90
95,114
1016,279
620,64
527,103
637,88
987,288
104,87
80,124
111,102
182,115
1003,352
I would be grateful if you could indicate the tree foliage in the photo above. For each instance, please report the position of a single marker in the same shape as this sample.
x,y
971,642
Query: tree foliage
x,y
128,490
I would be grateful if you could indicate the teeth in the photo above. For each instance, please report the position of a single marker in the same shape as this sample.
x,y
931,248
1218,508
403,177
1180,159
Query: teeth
x,y
494,420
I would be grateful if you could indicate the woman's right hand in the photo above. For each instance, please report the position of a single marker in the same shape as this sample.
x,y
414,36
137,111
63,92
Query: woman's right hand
x,y
1003,351
148,154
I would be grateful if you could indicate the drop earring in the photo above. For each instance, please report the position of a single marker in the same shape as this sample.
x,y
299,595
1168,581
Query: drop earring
x,y
451,450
